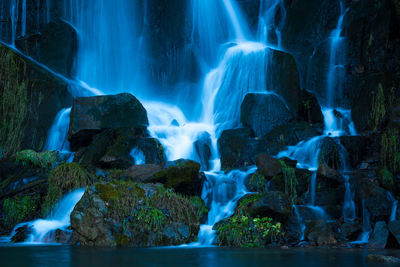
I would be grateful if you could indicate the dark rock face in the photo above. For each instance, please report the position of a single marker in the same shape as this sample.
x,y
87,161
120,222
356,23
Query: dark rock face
x,y
181,175
330,154
309,108
152,149
376,201
55,46
263,112
92,115
268,165
273,204
30,98
129,214
320,232
379,236
382,259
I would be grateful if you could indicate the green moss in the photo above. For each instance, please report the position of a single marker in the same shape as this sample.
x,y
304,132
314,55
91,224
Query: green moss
x,y
290,181
245,203
19,209
257,182
390,150
64,179
378,111
243,231
44,160
199,206
386,179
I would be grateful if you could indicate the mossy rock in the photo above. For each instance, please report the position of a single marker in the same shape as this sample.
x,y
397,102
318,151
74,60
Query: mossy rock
x,y
64,179
30,98
180,175
44,160
124,213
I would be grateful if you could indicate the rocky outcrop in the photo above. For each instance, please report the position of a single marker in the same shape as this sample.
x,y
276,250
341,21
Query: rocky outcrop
x,y
263,112
92,115
379,236
202,147
273,204
394,228
30,98
136,215
320,233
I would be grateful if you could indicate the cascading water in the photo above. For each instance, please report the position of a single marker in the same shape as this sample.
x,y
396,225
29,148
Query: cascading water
x,y
393,214
138,156
57,137
268,30
59,218
366,228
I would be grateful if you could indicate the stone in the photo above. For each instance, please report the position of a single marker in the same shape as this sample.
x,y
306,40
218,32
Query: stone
x,y
309,108
330,154
351,230
320,232
30,98
382,259
142,173
55,46
379,236
268,165
263,112
273,204
135,215
92,115
180,175
376,201
152,149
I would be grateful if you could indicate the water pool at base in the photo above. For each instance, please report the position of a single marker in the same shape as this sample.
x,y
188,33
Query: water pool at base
x,y
206,257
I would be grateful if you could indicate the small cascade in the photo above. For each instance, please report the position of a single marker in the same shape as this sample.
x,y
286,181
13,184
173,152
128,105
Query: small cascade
x,y
366,229
300,222
236,19
349,207
59,218
14,20
313,183
23,19
138,156
393,214
268,29
221,192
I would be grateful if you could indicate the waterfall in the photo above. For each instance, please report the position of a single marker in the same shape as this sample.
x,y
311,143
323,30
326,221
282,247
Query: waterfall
x,y
366,229
300,222
23,18
57,136
349,207
393,213
59,218
267,26
108,56
138,156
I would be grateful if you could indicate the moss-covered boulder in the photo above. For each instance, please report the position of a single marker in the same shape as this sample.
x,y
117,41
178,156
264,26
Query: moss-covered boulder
x,y
64,179
30,98
137,215
92,115
181,175
320,233
263,112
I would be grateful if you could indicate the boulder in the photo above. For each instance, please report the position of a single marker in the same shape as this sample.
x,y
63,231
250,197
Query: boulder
x,y
55,46
180,175
21,234
268,165
203,149
135,215
351,230
394,228
30,98
320,232
264,112
152,149
92,115
141,173
309,108
237,148
273,204
356,147
376,201
379,236
382,259
331,154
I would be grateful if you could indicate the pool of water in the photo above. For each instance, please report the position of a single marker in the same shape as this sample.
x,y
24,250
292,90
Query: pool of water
x,y
205,257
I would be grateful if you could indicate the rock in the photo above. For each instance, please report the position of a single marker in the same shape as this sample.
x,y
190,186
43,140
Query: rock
x,y
351,230
289,135
320,232
203,149
152,149
142,173
379,236
21,234
181,175
273,204
394,228
309,108
135,215
382,259
55,46
283,79
376,201
263,112
30,98
268,165
237,148
356,147
92,115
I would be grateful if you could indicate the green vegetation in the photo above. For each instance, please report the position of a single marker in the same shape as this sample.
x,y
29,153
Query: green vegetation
x,y
44,160
390,150
148,211
64,179
243,231
257,182
19,209
386,179
290,181
378,108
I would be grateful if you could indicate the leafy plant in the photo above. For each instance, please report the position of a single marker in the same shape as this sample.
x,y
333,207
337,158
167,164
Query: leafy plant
x,y
44,160
18,209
